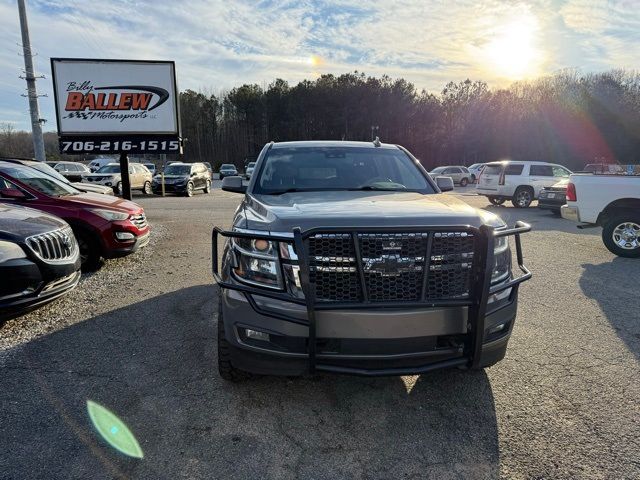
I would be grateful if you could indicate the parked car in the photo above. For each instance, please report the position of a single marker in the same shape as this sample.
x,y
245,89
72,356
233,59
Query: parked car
x,y
459,175
344,228
104,225
611,202
97,163
603,168
519,182
475,170
43,167
72,171
554,197
228,170
39,258
139,177
249,170
183,178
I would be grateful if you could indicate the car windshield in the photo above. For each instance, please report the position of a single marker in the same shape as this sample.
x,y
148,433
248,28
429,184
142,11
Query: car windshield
x,y
177,170
438,170
339,168
474,166
41,181
227,166
109,169
45,168
493,169
251,164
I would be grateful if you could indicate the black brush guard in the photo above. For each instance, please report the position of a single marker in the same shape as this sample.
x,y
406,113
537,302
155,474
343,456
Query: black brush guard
x,y
480,286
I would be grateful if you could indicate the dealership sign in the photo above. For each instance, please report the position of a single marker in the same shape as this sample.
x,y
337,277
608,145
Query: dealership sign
x,y
116,106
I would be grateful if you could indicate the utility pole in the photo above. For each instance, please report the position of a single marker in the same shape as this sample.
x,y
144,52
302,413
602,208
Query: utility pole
x,y
32,94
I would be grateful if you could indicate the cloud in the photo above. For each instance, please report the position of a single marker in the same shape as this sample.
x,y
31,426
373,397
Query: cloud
x,y
218,44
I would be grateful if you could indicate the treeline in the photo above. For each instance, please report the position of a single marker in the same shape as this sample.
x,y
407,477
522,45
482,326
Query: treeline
x,y
566,118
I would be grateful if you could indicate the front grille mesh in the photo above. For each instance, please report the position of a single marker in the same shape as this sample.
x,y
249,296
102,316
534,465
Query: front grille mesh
x,y
58,245
393,266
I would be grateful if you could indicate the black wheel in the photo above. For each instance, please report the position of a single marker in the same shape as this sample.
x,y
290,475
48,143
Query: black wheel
x,y
189,191
226,370
118,188
464,182
473,178
207,188
523,197
89,250
621,234
146,189
496,200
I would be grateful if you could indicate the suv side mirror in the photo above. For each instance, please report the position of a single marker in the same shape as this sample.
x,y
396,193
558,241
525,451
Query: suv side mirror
x,y
445,184
13,193
233,184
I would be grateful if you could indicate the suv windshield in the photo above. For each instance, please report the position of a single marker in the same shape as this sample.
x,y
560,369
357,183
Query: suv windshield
x,y
109,169
339,168
227,166
178,170
40,181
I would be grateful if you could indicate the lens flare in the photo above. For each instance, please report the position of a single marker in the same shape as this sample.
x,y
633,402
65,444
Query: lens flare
x,y
113,430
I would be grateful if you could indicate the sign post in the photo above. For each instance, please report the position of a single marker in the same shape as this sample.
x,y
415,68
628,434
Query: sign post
x,y
106,107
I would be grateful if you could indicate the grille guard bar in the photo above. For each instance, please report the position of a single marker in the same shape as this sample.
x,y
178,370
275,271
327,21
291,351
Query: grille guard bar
x,y
480,291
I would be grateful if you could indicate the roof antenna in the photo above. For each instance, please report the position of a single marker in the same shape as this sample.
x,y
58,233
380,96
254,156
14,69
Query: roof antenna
x,y
376,142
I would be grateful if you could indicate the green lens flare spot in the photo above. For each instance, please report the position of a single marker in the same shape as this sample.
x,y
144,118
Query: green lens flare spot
x,y
113,430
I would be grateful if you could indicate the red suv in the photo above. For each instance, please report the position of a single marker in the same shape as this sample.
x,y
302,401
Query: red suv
x,y
104,225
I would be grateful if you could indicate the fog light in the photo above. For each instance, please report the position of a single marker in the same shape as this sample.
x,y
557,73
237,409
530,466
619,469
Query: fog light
x,y
498,328
255,335
125,236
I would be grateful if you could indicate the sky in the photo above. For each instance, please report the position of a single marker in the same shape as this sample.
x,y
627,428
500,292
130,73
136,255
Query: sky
x,y
219,44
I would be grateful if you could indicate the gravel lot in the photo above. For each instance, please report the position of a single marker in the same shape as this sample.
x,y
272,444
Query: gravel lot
x,y
138,337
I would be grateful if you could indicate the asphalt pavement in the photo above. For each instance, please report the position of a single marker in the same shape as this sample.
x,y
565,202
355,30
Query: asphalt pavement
x,y
138,337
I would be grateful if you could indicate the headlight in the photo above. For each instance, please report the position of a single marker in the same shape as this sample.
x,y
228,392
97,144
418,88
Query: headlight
x,y
501,260
10,251
110,214
256,262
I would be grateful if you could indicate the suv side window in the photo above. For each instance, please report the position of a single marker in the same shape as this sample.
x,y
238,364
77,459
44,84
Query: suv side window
x,y
514,169
541,170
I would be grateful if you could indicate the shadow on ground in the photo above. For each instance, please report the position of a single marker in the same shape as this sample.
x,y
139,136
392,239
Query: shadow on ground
x,y
619,300
153,364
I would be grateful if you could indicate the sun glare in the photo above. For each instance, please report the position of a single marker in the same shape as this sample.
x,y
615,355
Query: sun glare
x,y
513,52
314,60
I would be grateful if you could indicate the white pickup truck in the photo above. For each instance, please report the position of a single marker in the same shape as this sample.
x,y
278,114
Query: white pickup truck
x,y
611,202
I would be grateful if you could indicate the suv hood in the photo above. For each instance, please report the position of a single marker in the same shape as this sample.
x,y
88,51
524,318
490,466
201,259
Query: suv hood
x,y
97,200
359,209
17,223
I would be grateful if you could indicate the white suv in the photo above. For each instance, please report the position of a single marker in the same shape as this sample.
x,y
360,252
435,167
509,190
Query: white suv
x,y
519,182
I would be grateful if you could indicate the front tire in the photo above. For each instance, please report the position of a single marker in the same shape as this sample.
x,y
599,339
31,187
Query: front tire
x,y
146,189
464,182
523,197
207,188
89,250
621,235
497,201
189,190
225,368
118,188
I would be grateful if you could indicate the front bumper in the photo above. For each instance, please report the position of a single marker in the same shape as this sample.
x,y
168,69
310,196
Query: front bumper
x,y
366,339
32,285
169,188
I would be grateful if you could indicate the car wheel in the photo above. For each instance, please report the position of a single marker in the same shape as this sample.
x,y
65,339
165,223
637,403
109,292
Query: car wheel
x,y
621,235
189,191
207,188
464,182
89,250
118,188
523,197
473,178
225,368
496,200
146,189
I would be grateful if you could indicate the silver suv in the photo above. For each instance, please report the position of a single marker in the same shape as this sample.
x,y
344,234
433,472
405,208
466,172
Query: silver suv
x,y
345,257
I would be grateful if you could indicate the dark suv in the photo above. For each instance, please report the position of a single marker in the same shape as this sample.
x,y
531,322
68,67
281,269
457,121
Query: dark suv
x,y
39,259
104,225
183,178
345,257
